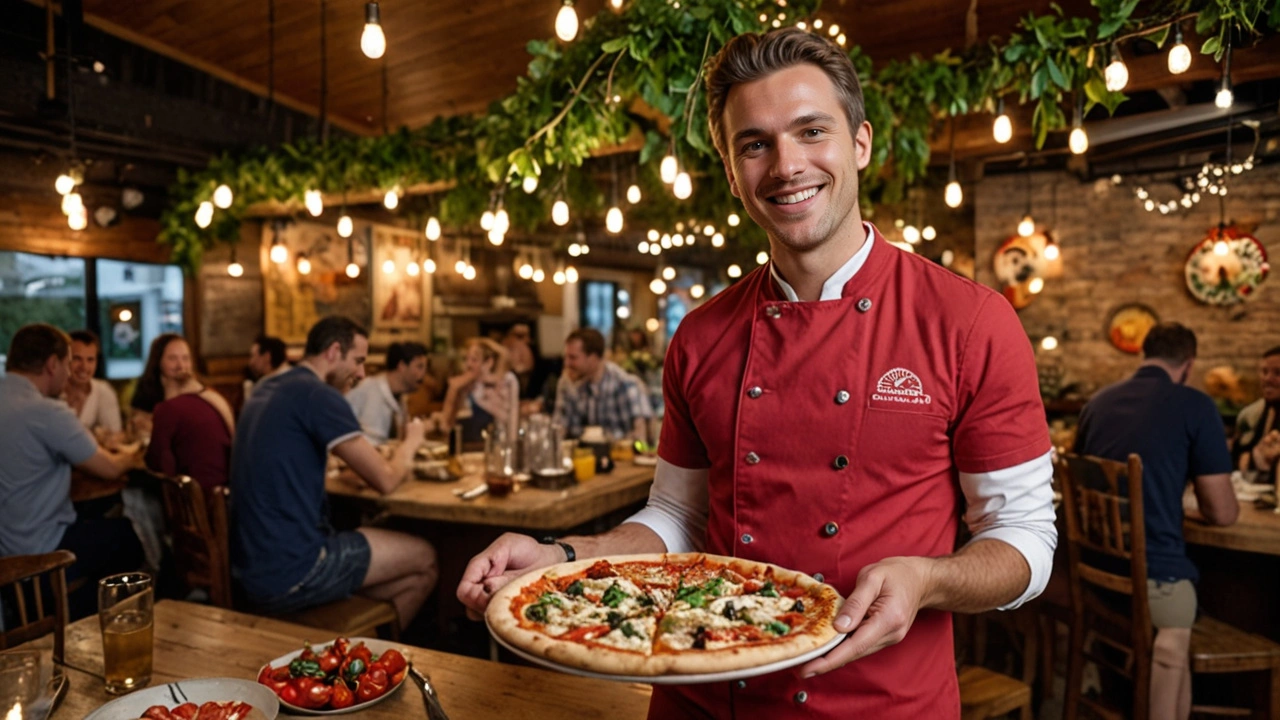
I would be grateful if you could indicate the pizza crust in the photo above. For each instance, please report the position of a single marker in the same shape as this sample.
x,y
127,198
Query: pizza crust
x,y
503,617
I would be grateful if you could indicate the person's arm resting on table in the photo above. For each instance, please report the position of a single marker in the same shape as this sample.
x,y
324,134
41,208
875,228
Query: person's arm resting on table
x,y
382,475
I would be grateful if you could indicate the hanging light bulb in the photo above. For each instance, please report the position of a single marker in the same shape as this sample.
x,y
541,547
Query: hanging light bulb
x,y
460,266
486,220
1026,226
433,229
953,195
911,234
834,30
78,220
373,42
717,240
633,194
222,196
345,225
657,286
697,291
1079,140
279,253
388,266
762,257
668,169
1179,54
929,233
391,200
683,186
655,249
353,270
304,265
412,269
567,22
501,221
1035,286
665,242
496,237
571,274
526,270
529,184
1221,248
1049,343
314,202
734,271
558,278
708,231
733,220
235,269
560,213
668,273
470,272
585,248
1116,73
1002,129
1051,251
539,275
677,240
643,247
429,266
72,202
613,220
574,250
1225,97
64,184
204,213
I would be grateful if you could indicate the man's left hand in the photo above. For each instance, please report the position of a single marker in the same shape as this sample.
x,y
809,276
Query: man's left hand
x,y
882,607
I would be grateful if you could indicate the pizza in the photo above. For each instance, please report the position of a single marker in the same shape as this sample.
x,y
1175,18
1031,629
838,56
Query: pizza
x,y
671,614
208,711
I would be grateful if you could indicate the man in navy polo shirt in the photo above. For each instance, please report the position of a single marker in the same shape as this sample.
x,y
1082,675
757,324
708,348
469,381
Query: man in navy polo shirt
x,y
1178,434
284,553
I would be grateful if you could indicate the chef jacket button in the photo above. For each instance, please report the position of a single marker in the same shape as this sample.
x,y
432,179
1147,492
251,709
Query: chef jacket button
x,y
752,458
754,392
819,577
841,462
746,538
742,684
830,529
842,397
802,697
773,311
864,304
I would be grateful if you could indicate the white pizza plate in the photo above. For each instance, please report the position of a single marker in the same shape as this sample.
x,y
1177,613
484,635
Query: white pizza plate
x,y
199,690
693,679
374,644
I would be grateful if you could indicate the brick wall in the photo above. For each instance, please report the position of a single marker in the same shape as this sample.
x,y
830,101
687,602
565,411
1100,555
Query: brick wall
x,y
1114,252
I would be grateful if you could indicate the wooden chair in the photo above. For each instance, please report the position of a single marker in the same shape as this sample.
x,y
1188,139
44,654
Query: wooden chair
x,y
23,575
201,538
988,694
1106,546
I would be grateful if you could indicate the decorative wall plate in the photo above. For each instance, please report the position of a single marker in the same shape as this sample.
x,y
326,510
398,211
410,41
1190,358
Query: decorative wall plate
x,y
1020,260
1128,326
1226,267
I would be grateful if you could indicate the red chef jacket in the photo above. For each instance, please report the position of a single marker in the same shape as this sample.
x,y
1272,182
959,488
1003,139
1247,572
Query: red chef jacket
x,y
833,433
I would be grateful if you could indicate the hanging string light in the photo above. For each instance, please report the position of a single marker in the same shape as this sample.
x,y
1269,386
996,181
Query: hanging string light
x,y
222,196
432,230
734,271
529,184
314,201
560,213
1079,139
1179,54
697,291
1225,96
353,270
613,218
682,188
1002,128
571,275
559,277
428,264
391,200
762,257
373,42
567,22
1116,74
733,220
1027,225
279,253
669,167
717,240
204,213
668,273
953,195
929,233
304,264
346,225
234,268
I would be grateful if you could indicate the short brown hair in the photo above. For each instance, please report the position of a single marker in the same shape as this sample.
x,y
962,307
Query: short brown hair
x,y
330,330
591,339
1171,342
32,345
752,56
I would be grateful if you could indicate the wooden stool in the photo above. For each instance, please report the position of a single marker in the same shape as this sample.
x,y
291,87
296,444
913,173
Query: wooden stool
x,y
1217,648
988,694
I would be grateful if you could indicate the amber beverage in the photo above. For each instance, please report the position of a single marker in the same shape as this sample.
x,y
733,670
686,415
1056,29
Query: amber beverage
x,y
500,483
125,613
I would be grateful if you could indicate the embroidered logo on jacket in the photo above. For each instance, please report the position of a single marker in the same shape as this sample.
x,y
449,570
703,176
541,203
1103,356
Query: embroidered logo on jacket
x,y
900,385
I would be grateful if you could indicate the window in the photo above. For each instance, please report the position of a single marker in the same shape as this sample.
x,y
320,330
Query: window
x,y
136,302
599,307
126,303
36,288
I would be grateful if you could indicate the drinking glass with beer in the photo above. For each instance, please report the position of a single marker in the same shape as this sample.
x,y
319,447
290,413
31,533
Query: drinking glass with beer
x,y
124,610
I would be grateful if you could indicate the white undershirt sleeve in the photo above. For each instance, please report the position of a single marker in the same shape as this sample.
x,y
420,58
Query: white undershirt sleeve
x,y
1015,505
677,508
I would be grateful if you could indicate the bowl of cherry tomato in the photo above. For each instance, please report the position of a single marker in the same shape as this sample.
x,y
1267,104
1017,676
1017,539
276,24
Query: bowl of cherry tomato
x,y
342,676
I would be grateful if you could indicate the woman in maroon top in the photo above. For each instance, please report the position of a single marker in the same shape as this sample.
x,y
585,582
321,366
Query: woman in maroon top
x,y
193,426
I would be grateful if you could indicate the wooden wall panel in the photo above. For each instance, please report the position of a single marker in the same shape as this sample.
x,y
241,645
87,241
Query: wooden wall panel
x,y
35,224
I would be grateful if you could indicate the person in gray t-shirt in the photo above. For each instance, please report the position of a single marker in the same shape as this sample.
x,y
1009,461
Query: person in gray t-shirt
x,y
41,441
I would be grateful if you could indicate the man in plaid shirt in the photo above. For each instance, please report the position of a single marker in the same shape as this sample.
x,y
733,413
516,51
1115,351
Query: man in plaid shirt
x,y
594,391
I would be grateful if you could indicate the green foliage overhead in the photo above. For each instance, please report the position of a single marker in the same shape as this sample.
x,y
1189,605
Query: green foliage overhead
x,y
580,97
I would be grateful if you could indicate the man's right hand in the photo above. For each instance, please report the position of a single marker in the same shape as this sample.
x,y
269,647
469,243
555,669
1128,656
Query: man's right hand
x,y
507,558
414,431
1267,450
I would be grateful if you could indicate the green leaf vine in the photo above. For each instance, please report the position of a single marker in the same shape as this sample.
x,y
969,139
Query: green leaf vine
x,y
637,72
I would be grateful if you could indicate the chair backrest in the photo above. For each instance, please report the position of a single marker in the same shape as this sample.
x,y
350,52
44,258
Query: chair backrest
x,y
198,525
1107,554
24,579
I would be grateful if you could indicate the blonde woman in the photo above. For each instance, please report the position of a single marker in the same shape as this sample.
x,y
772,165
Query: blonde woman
x,y
488,387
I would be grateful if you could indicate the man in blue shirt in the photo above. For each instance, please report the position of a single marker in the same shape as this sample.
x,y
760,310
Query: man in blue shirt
x,y
285,555
1178,434
594,391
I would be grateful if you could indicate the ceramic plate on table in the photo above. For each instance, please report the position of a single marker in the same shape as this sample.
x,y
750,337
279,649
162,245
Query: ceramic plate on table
x,y
198,691
375,645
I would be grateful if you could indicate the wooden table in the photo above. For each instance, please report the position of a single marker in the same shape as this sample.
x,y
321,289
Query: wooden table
x,y
1257,530
527,508
201,641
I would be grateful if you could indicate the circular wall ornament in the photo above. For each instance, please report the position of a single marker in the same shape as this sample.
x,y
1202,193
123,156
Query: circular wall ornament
x,y
1226,267
1128,327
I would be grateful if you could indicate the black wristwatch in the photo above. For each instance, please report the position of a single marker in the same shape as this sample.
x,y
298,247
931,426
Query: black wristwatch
x,y
569,553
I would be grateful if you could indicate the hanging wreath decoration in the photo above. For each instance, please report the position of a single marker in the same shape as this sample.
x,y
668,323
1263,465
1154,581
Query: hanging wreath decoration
x,y
1226,267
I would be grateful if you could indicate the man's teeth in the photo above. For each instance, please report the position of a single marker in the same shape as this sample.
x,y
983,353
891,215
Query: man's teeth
x,y
796,197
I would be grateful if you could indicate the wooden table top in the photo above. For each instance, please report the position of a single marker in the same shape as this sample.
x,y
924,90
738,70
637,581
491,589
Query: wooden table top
x,y
526,508
201,641
1256,530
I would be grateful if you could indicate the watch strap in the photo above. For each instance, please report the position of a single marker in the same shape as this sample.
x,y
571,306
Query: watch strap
x,y
570,554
